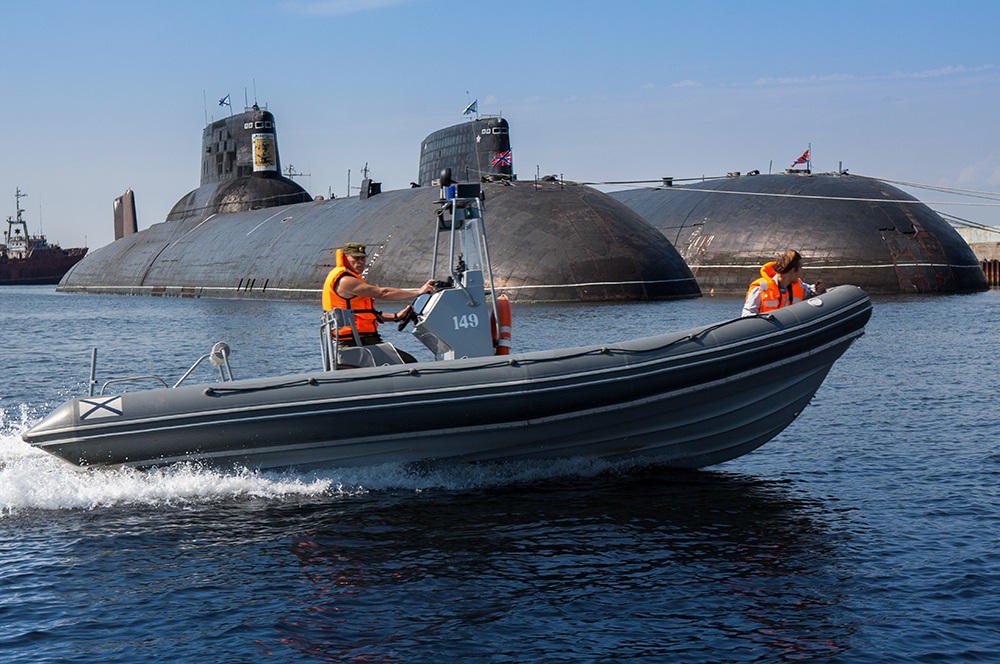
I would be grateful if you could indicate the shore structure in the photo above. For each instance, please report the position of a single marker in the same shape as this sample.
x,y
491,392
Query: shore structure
x,y
985,244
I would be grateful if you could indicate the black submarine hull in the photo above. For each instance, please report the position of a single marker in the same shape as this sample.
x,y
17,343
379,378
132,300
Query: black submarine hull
x,y
850,229
549,243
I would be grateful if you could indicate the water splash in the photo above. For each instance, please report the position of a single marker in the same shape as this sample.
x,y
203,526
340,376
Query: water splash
x,y
33,480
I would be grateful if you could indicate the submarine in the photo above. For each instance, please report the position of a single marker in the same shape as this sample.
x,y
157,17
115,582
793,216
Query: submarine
x,y
249,232
849,229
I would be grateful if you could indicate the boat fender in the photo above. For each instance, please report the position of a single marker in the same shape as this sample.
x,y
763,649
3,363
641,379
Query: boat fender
x,y
501,333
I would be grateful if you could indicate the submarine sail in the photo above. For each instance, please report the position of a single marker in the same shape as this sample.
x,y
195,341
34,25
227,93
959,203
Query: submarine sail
x,y
475,150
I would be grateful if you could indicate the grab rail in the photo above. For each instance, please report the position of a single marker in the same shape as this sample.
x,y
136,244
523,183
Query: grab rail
x,y
130,378
219,356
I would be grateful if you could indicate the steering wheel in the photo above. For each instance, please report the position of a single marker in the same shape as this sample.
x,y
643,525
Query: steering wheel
x,y
410,316
421,300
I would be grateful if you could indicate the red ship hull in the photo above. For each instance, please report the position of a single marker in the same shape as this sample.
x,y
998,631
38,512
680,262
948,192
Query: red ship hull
x,y
42,266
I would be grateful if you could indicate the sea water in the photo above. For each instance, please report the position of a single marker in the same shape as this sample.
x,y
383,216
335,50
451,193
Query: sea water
x,y
867,531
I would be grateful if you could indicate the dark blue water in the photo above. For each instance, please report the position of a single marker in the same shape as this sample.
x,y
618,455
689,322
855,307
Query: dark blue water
x,y
867,531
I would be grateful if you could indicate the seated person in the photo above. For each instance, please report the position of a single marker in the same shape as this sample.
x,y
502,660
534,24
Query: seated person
x,y
779,285
345,289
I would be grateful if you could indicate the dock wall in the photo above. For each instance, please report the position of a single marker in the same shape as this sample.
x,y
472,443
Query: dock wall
x,y
985,244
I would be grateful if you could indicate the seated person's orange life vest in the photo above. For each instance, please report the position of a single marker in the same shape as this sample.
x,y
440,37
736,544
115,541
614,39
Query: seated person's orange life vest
x,y
771,296
365,319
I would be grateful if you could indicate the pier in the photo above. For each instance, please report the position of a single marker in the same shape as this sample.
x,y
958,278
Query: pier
x,y
991,269
985,244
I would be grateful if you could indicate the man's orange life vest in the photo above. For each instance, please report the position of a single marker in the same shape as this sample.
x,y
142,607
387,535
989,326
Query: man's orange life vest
x,y
363,307
771,297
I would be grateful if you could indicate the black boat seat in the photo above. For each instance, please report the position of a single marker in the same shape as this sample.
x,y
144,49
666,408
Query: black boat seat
x,y
336,356
376,355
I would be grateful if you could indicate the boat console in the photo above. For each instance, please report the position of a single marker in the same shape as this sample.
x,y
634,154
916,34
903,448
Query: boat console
x,y
454,321
458,319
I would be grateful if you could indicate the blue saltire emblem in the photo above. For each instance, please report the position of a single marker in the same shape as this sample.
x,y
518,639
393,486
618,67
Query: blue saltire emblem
x,y
97,407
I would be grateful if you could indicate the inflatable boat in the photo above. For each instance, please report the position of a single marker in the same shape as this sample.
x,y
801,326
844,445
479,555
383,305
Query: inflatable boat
x,y
690,398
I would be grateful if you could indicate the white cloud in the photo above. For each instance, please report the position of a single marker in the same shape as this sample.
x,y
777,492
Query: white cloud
x,y
827,78
338,7
982,173
797,80
946,71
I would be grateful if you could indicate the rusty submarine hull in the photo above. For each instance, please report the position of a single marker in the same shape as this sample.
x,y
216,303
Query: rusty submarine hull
x,y
849,229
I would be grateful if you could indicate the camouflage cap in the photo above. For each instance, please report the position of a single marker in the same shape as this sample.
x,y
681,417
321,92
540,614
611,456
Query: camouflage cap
x,y
355,249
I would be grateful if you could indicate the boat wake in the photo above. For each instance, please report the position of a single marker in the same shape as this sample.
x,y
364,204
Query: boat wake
x,y
34,480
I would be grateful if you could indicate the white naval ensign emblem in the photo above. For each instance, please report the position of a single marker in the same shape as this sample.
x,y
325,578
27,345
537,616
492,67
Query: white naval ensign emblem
x,y
96,407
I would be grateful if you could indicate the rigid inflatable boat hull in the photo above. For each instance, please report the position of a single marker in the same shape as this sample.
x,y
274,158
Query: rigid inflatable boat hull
x,y
687,399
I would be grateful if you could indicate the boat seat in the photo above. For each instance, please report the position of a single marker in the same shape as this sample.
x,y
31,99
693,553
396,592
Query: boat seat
x,y
376,355
336,356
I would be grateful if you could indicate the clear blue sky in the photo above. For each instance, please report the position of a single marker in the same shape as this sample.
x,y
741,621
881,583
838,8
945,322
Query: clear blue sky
x,y
101,96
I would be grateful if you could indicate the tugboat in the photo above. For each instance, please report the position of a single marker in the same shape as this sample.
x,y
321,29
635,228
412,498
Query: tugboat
x,y
30,259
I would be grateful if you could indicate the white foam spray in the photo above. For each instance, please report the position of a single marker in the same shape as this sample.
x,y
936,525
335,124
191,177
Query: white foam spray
x,y
34,480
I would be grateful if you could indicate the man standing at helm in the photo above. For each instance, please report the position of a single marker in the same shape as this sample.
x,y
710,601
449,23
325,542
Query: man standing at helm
x,y
779,285
345,289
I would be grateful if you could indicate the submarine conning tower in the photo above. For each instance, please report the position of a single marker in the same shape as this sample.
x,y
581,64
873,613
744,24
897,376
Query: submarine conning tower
x,y
240,168
474,150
